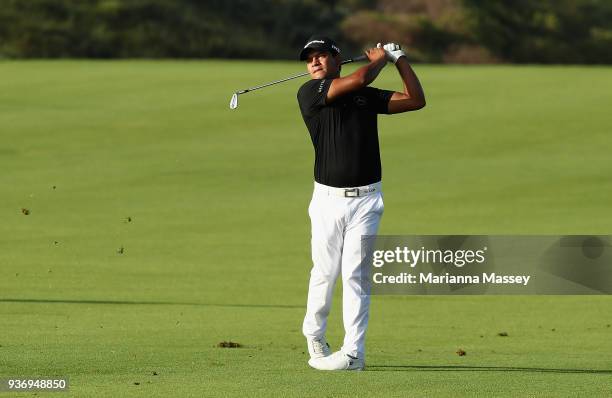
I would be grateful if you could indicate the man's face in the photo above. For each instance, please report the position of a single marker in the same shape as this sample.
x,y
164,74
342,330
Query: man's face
x,y
322,64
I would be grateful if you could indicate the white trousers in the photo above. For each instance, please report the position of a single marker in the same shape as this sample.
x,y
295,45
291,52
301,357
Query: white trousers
x,y
337,226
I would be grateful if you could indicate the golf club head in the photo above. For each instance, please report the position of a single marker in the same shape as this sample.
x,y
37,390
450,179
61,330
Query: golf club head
x,y
234,101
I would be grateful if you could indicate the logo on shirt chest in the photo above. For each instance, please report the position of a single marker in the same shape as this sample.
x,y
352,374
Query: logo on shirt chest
x,y
360,101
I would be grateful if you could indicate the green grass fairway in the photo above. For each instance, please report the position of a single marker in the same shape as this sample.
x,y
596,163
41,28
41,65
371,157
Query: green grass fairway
x,y
217,242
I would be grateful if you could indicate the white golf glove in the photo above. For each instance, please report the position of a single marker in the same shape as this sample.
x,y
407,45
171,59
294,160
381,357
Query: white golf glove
x,y
393,51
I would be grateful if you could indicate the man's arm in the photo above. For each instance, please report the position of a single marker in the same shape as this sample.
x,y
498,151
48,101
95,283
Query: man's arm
x,y
360,78
412,98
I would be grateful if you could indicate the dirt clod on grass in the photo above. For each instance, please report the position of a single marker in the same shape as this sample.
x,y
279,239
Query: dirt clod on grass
x,y
503,334
25,211
229,344
461,353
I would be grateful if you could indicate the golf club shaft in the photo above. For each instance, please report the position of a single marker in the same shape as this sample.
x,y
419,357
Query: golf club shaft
x,y
356,59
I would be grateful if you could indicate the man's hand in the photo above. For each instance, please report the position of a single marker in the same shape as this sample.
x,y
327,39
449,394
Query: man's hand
x,y
376,54
393,51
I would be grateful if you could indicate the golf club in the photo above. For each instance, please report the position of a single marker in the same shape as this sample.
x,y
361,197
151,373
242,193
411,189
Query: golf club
x,y
234,100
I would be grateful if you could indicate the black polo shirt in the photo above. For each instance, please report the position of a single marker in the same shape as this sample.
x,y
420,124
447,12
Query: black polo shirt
x,y
344,133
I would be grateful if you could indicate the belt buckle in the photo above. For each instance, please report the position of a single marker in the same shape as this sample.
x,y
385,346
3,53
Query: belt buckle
x,y
353,190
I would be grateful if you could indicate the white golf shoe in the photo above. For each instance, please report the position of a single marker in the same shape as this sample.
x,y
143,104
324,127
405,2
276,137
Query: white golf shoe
x,y
337,361
318,348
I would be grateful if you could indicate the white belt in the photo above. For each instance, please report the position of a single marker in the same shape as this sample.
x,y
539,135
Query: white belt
x,y
353,192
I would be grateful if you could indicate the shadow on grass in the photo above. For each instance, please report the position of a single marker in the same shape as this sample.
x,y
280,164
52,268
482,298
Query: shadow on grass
x,y
123,302
459,368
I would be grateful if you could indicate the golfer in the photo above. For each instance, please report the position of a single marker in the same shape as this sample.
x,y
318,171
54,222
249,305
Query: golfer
x,y
341,116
